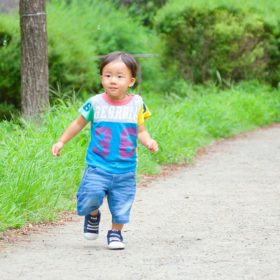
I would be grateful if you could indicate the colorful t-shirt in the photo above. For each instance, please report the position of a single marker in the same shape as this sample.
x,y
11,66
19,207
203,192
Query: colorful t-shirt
x,y
114,129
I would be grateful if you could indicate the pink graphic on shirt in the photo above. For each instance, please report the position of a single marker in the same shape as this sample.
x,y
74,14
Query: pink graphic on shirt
x,y
127,148
104,136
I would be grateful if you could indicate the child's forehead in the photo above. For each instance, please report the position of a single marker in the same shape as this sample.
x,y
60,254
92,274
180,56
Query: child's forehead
x,y
116,65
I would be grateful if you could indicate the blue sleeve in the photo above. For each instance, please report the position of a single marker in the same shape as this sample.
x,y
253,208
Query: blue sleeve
x,y
87,111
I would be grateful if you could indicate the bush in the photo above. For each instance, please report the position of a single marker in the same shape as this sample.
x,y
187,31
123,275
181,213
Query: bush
x,y
7,111
81,31
220,43
144,10
9,63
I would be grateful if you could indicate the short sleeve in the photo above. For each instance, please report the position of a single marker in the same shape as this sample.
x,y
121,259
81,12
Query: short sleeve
x,y
144,113
87,111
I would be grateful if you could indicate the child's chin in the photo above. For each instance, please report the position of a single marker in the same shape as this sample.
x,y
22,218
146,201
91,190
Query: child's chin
x,y
115,96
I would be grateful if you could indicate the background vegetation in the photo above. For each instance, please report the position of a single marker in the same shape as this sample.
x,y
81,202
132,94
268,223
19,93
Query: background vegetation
x,y
215,74
35,185
78,33
222,41
201,41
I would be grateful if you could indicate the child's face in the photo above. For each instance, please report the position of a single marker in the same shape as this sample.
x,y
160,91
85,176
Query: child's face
x,y
116,78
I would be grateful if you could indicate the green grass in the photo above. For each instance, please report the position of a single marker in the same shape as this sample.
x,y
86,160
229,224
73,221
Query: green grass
x,y
182,125
34,185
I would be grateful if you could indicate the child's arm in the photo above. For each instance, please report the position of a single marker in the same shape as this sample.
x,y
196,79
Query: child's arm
x,y
146,140
72,130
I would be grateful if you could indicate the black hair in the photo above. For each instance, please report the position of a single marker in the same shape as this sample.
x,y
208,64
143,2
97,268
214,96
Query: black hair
x,y
126,58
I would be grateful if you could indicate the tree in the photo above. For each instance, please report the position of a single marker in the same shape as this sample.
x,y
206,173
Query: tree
x,y
34,57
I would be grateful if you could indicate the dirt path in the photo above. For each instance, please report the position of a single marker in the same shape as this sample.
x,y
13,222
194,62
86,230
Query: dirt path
x,y
218,219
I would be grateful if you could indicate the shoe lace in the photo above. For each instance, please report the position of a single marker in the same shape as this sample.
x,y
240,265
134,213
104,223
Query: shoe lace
x,y
115,236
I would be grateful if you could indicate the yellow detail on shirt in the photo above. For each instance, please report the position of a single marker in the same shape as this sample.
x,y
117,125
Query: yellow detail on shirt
x,y
144,113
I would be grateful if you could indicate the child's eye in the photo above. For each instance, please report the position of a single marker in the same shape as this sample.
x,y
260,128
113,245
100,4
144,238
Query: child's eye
x,y
120,76
107,75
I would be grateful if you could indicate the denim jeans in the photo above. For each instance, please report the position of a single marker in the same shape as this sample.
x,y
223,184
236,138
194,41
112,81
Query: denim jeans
x,y
120,190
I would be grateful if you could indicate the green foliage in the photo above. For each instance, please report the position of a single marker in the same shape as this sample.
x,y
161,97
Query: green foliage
x,y
72,61
81,31
268,9
144,10
7,111
220,42
35,185
9,64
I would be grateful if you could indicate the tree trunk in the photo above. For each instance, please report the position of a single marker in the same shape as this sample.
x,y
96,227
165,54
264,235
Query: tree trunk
x,y
34,57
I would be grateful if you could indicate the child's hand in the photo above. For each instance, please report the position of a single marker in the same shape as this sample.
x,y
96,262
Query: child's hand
x,y
153,146
56,148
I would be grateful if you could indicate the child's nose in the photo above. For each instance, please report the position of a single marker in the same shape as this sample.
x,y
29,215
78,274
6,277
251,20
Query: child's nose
x,y
114,79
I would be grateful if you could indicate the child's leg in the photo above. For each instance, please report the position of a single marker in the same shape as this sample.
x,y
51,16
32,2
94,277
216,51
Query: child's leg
x,y
94,213
120,199
117,227
90,197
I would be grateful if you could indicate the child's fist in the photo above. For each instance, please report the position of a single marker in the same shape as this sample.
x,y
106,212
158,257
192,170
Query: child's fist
x,y
56,148
153,146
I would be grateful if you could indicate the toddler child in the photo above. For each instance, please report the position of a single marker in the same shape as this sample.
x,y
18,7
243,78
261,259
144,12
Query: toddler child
x,y
117,120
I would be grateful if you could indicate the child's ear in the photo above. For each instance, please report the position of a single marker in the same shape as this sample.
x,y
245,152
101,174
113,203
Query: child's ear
x,y
132,82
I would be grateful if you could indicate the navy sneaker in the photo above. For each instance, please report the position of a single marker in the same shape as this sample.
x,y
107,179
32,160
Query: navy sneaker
x,y
115,240
91,226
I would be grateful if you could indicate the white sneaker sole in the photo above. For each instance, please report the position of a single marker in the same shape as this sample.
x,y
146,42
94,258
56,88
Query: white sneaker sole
x,y
90,236
116,246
